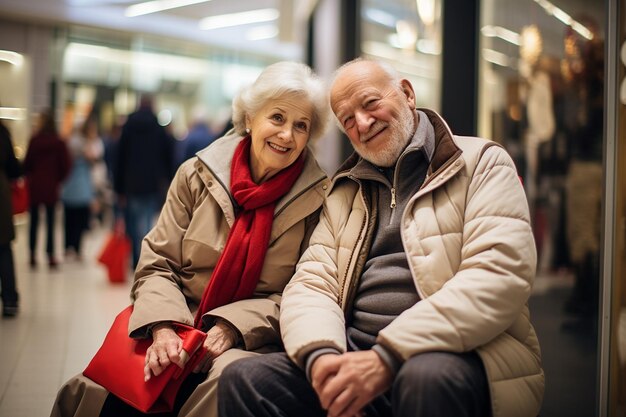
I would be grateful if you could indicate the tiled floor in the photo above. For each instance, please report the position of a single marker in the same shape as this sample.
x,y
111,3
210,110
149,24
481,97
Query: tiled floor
x,y
64,315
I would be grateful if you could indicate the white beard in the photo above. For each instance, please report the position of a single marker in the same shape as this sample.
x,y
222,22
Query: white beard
x,y
403,130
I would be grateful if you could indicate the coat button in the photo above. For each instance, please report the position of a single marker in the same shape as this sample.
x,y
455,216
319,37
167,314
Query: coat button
x,y
210,184
457,163
324,187
200,169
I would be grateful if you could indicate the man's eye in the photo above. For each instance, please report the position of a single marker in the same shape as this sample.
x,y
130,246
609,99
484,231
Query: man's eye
x,y
370,103
348,123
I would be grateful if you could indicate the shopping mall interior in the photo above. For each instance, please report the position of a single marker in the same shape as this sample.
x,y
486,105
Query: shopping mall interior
x,y
545,79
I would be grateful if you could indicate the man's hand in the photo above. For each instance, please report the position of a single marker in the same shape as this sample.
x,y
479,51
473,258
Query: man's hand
x,y
346,383
166,348
219,339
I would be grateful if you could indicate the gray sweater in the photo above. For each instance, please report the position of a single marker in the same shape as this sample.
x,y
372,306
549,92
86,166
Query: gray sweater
x,y
386,286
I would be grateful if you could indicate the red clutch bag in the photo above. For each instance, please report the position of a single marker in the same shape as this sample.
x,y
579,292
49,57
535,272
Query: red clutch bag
x,y
118,366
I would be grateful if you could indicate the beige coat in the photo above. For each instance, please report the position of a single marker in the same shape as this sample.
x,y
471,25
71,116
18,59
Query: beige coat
x,y
179,254
471,251
178,257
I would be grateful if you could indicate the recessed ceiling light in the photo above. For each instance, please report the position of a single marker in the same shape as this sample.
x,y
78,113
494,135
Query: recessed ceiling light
x,y
12,113
502,33
11,57
155,6
262,32
237,19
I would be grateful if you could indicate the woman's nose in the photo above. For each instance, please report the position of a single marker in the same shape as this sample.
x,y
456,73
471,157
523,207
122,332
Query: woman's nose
x,y
286,134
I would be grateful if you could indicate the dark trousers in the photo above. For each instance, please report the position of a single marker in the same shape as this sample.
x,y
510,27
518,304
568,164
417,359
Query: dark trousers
x,y
430,384
34,226
7,276
76,221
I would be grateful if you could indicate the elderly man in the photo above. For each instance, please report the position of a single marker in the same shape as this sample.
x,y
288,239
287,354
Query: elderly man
x,y
412,297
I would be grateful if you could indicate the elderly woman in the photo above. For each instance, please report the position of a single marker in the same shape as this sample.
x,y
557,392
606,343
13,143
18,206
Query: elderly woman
x,y
236,219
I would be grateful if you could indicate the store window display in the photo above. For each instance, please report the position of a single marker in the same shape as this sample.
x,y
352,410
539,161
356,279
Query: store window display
x,y
583,72
542,97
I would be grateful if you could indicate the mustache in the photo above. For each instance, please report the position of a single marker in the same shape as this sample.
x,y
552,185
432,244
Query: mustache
x,y
376,128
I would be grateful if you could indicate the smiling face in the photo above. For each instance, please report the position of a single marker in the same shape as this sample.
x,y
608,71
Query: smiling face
x,y
377,115
280,131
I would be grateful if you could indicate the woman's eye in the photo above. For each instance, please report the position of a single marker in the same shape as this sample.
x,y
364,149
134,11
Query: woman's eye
x,y
277,117
302,126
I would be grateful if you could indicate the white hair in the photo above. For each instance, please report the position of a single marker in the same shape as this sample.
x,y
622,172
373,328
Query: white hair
x,y
394,76
277,80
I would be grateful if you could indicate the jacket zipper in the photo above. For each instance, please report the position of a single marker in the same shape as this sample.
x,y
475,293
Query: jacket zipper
x,y
395,180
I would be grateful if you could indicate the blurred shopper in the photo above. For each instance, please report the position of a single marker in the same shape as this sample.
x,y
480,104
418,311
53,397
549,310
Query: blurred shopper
x,y
98,169
46,165
144,169
78,191
200,135
111,149
9,169
236,220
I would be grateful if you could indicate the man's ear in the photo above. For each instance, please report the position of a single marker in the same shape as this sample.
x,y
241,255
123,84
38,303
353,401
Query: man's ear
x,y
407,89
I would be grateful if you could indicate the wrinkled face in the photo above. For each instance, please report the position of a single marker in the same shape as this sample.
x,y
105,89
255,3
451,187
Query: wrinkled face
x,y
280,132
377,116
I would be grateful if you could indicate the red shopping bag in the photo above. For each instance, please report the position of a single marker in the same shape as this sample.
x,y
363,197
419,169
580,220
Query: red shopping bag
x,y
118,366
19,196
114,255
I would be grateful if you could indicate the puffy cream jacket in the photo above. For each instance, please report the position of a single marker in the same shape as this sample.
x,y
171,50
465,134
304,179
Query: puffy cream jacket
x,y
179,254
471,251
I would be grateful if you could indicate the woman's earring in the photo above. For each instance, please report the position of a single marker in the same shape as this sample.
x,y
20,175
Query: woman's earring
x,y
247,130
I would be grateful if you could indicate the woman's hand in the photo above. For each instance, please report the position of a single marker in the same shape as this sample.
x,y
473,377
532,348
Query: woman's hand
x,y
219,339
166,348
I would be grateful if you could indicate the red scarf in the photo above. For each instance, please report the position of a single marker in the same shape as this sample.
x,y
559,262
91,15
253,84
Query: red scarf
x,y
239,267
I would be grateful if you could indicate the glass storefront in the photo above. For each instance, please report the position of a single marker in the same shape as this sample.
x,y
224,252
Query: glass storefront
x,y
107,78
407,34
542,96
617,296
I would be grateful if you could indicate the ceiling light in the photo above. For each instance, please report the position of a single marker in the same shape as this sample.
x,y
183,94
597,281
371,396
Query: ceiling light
x,y
91,51
262,32
236,19
496,57
158,6
552,10
380,17
502,33
430,47
11,57
426,11
12,113
164,117
531,44
407,34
